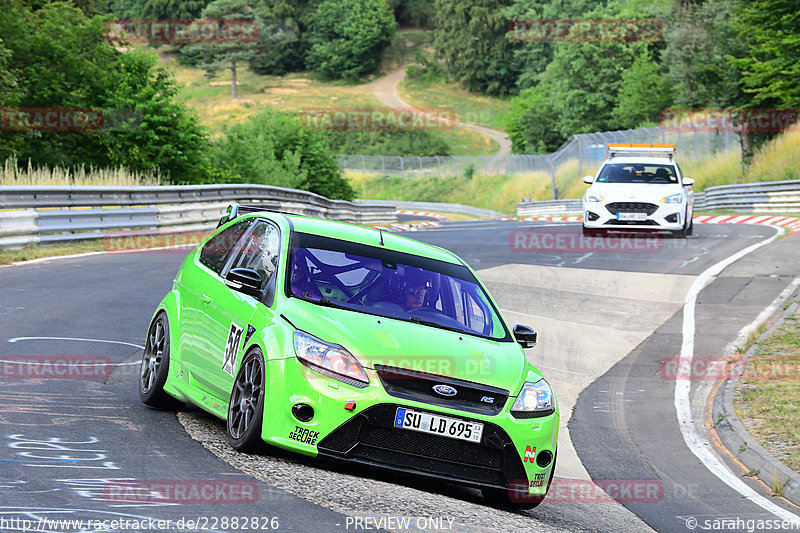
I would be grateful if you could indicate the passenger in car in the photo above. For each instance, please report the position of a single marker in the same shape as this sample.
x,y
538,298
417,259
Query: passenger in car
x,y
302,284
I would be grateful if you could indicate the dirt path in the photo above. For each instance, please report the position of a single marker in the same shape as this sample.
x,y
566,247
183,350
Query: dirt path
x,y
385,90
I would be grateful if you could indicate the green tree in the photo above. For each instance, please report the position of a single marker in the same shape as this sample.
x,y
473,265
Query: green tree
x,y
58,58
470,36
413,13
348,36
579,90
700,37
771,69
272,148
529,122
534,56
282,36
702,46
218,54
644,95
159,9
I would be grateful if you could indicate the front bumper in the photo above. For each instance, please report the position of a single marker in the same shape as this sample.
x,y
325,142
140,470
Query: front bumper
x,y
666,217
505,457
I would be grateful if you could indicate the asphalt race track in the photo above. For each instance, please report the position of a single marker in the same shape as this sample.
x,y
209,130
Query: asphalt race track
x,y
608,312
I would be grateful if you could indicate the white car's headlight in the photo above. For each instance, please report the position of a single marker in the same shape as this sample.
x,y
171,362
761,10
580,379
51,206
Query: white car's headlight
x,y
673,199
534,396
594,197
328,359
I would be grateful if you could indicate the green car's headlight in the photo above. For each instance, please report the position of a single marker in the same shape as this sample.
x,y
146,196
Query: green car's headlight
x,y
672,199
534,396
594,197
329,359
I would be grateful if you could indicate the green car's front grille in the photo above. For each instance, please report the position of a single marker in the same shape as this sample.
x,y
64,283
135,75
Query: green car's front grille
x,y
418,386
370,437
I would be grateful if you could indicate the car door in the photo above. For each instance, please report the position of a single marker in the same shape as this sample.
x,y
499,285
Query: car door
x,y
226,314
194,277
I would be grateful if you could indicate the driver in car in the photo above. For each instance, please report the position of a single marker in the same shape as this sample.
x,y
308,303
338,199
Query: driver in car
x,y
414,290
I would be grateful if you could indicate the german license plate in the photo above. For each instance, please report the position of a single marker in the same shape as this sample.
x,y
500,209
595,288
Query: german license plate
x,y
631,216
438,425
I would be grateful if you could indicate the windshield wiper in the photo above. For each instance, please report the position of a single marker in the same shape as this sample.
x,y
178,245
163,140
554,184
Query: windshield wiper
x,y
329,303
418,320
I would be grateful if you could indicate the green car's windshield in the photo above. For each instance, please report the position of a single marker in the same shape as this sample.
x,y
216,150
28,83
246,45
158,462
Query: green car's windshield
x,y
373,280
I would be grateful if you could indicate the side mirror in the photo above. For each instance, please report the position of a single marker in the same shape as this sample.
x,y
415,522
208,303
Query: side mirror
x,y
588,179
688,181
244,280
525,336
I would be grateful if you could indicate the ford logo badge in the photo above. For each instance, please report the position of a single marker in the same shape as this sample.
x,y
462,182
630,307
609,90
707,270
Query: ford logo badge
x,y
444,390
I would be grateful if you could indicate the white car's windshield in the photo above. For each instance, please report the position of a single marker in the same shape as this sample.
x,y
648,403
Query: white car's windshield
x,y
637,173
391,284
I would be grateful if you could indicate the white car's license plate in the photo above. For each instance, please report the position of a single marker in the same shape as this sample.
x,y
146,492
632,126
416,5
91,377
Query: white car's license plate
x,y
438,425
631,216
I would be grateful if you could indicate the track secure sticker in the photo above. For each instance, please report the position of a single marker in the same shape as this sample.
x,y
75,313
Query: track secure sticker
x,y
303,435
231,349
538,480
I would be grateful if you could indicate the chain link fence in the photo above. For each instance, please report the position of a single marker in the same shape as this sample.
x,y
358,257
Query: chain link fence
x,y
588,150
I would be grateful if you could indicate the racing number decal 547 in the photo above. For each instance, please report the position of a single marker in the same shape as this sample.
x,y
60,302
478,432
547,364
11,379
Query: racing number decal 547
x,y
231,349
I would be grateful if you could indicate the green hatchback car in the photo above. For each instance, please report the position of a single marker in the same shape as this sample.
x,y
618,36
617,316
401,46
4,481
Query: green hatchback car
x,y
350,343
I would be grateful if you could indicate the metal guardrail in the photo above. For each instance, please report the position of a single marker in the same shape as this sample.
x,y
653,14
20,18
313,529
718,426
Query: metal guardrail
x,y
436,207
53,215
549,207
763,197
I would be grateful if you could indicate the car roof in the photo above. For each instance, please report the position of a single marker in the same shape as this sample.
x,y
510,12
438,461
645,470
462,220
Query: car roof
x,y
362,235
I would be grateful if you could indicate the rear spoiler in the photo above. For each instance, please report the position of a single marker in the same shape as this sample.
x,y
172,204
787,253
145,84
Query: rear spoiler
x,y
615,149
236,210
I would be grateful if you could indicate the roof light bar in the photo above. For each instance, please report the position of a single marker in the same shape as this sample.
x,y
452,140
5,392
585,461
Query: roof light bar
x,y
632,148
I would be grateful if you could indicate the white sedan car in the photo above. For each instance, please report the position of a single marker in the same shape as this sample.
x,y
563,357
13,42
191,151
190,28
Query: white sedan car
x,y
643,189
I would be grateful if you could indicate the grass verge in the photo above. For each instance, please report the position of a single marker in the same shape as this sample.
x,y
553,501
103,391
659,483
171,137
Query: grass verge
x,y
12,175
767,399
468,107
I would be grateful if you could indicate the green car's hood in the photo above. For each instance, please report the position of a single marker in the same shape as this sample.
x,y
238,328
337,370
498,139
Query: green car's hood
x,y
386,341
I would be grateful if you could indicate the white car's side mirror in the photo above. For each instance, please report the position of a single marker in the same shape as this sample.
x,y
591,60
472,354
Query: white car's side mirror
x,y
688,181
588,179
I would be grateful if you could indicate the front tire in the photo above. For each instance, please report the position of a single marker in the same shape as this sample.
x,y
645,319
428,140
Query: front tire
x,y
155,366
246,408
